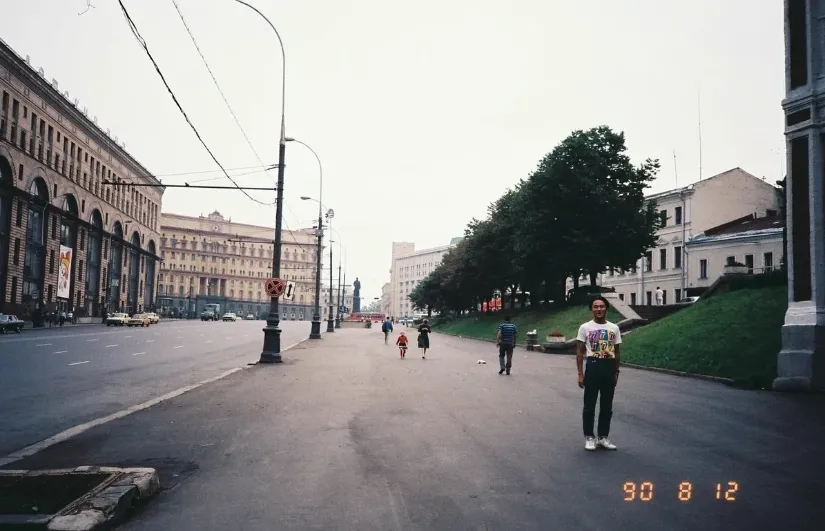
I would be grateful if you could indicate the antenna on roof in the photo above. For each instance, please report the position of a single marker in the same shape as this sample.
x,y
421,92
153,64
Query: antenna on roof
x,y
675,169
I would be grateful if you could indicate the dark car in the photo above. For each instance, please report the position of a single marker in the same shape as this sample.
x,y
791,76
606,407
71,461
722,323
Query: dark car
x,y
10,323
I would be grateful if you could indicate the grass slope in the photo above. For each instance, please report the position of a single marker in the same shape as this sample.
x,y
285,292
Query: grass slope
x,y
734,335
566,321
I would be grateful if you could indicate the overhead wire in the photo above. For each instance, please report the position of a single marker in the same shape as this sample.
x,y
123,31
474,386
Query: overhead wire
x,y
145,46
225,99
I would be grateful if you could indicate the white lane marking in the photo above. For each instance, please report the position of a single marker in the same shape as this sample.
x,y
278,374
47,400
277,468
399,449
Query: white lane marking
x,y
126,337
229,338
95,339
150,340
179,346
79,363
138,353
60,352
209,341
44,345
110,346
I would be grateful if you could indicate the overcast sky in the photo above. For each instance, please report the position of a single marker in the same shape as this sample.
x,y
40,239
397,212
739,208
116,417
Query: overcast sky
x,y
422,112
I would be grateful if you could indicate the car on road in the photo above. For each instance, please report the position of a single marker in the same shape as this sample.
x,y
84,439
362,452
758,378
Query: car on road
x,y
10,323
229,316
117,319
153,317
250,317
139,319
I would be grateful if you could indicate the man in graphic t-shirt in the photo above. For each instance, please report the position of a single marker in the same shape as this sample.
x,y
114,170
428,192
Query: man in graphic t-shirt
x,y
598,349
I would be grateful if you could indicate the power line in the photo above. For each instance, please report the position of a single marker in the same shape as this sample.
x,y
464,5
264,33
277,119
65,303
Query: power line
x,y
145,47
267,166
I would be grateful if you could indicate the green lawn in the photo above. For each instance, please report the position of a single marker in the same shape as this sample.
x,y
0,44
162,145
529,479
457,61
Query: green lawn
x,y
734,335
566,321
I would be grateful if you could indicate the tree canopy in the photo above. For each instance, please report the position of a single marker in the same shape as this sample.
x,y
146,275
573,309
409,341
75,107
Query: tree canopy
x,y
582,210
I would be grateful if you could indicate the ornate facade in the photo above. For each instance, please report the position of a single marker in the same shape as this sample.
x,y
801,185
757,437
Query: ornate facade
x,y
212,260
69,241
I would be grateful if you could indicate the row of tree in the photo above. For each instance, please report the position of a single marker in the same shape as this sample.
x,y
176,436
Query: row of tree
x,y
582,211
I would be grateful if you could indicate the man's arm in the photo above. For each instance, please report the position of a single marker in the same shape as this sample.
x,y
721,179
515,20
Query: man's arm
x,y
618,357
498,335
580,353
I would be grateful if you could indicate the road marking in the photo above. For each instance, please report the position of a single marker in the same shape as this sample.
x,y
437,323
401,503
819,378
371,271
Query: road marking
x,y
77,430
179,346
229,337
209,341
110,346
44,345
126,337
60,352
95,339
79,363
138,353
150,340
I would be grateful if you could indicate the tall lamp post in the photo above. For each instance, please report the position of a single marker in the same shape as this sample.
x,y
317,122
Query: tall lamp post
x,y
341,258
330,325
271,352
315,328
329,215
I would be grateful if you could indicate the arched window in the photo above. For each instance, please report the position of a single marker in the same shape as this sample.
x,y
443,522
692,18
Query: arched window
x,y
149,295
68,249
115,268
93,261
6,187
134,273
34,269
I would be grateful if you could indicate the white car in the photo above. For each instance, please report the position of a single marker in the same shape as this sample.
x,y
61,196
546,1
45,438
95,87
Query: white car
x,y
230,317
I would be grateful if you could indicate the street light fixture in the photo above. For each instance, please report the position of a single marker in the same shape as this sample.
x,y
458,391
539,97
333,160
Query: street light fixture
x,y
315,327
319,232
271,352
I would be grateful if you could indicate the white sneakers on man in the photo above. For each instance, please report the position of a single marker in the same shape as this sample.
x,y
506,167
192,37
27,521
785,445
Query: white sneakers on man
x,y
590,443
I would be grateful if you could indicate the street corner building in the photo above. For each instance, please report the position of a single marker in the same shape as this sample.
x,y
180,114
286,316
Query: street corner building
x,y
68,240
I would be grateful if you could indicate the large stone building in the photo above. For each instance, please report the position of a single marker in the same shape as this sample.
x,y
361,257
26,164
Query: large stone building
x,y
212,260
68,241
688,212
801,363
409,267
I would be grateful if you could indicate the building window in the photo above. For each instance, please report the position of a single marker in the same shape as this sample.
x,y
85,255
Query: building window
x,y
797,20
677,257
663,217
677,216
749,263
730,260
662,258
703,268
632,299
767,262
649,261
678,294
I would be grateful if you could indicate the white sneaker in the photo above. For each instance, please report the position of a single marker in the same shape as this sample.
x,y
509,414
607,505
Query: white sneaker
x,y
590,443
605,443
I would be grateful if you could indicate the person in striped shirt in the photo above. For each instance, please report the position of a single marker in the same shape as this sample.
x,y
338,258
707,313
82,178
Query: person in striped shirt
x,y
506,340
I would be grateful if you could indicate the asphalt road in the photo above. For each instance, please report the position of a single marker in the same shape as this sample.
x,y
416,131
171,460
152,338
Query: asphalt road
x,y
345,435
55,378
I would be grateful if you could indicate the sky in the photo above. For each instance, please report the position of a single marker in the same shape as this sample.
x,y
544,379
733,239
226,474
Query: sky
x,y
422,113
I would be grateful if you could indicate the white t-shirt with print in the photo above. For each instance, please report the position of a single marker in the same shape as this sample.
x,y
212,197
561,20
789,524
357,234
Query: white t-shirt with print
x,y
600,340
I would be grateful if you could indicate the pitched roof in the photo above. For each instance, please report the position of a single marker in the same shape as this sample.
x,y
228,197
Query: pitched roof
x,y
745,227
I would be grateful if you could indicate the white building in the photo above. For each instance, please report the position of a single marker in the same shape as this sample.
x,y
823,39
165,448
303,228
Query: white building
x,y
409,267
688,212
345,295
386,293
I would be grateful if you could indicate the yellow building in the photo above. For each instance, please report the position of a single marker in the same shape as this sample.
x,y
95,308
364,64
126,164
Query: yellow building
x,y
212,260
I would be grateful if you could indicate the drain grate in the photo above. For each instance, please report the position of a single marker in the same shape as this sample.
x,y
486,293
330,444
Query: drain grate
x,y
44,494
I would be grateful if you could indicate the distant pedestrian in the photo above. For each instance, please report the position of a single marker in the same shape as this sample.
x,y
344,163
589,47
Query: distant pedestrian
x,y
506,340
660,296
386,328
424,337
599,342
402,344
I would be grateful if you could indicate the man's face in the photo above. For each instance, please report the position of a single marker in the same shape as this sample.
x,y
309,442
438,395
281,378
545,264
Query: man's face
x,y
599,309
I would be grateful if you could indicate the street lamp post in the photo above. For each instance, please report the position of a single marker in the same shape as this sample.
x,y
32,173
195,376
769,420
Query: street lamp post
x,y
315,328
341,300
330,325
271,352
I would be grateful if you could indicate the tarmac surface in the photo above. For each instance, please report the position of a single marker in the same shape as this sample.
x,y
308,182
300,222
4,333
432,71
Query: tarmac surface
x,y
345,435
52,379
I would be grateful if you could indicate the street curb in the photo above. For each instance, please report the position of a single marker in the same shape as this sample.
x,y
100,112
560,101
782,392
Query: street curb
x,y
105,506
715,379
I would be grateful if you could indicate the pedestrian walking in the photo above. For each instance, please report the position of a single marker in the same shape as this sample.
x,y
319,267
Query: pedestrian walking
x,y
506,341
386,328
660,296
424,337
402,344
598,349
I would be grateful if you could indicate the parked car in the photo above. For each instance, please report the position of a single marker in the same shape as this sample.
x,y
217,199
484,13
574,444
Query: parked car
x,y
139,319
117,319
153,317
250,317
689,300
229,316
10,323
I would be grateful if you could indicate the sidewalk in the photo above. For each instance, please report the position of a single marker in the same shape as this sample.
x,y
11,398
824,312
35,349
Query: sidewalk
x,y
345,435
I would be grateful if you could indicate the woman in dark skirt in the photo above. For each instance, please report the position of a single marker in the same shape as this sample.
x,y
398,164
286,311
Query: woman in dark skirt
x,y
424,337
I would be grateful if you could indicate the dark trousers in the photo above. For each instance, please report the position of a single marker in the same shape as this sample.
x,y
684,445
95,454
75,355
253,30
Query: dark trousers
x,y
599,382
505,350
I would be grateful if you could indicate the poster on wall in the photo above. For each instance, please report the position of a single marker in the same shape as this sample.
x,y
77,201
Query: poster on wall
x,y
64,273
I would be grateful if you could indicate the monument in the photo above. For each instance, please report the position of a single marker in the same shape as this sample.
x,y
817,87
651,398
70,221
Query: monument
x,y
356,296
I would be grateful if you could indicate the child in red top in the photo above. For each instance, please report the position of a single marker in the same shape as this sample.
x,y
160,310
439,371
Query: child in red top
x,y
402,344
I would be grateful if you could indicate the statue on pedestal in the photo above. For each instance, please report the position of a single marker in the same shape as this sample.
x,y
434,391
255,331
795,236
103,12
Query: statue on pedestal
x,y
356,296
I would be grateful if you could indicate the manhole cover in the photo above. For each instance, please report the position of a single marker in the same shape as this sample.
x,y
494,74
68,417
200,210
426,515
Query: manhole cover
x,y
44,494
